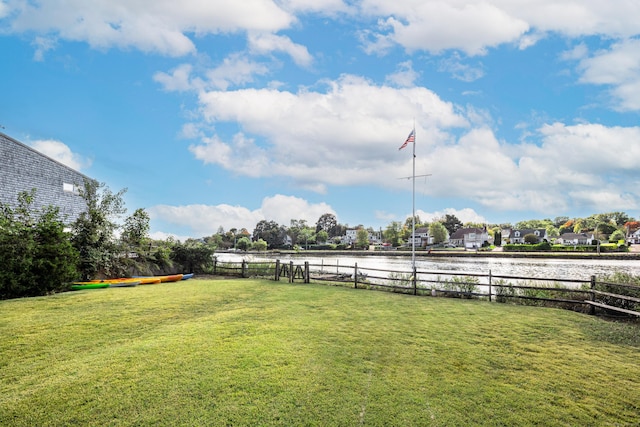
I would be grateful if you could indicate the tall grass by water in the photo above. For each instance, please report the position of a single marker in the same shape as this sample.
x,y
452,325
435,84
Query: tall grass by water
x,y
256,352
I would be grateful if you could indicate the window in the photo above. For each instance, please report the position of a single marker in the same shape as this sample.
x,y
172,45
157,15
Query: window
x,y
70,188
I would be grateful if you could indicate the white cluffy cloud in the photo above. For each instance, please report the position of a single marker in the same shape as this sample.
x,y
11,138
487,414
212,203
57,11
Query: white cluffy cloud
x,y
619,68
160,26
204,220
474,27
345,137
62,153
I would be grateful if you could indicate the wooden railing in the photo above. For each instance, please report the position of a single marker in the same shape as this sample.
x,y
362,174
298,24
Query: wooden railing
x,y
575,294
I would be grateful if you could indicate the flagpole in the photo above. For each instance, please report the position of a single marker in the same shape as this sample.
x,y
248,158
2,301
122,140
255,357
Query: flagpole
x,y
413,204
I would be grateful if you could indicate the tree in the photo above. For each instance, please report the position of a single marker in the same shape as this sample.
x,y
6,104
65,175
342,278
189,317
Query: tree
x,y
36,255
392,233
560,220
497,237
270,232
362,238
616,236
530,239
437,232
328,223
136,228
533,223
243,244
93,231
322,236
259,245
451,223
193,255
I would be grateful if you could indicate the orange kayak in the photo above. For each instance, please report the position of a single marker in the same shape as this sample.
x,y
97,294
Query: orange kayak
x,y
138,280
160,279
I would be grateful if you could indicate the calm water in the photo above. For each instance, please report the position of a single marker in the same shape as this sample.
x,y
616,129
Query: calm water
x,y
542,268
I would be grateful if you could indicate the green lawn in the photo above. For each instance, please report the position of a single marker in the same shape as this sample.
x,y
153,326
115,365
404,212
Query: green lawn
x,y
257,352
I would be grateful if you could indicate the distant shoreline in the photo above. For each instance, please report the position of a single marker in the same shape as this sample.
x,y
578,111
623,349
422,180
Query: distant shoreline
x,y
626,256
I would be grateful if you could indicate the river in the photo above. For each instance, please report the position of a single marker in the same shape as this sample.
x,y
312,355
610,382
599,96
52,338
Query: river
x,y
581,269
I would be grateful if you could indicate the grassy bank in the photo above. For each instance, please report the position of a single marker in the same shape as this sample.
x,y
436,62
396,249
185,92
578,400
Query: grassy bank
x,y
252,352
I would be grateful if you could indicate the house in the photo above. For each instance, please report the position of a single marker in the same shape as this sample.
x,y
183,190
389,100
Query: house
x,y
420,237
469,238
575,239
351,237
634,237
517,236
24,169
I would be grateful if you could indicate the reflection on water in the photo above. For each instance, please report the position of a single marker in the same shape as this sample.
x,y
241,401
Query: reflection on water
x,y
581,269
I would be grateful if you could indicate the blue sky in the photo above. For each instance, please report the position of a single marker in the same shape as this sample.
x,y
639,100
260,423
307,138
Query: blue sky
x,y
221,114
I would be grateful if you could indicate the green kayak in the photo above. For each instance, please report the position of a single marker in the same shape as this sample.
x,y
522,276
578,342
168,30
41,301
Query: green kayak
x,y
81,285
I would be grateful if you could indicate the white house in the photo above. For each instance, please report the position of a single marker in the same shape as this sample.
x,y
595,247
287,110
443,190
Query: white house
x,y
420,237
575,239
634,237
351,237
470,238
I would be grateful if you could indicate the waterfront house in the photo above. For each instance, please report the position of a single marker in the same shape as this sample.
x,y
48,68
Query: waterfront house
x,y
469,238
24,169
575,239
517,236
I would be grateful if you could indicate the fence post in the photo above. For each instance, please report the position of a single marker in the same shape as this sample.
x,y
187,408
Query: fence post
x,y
277,276
306,272
489,285
355,276
592,308
290,271
415,281
244,268
215,264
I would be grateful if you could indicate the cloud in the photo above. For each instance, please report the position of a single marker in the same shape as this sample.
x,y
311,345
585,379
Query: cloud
x,y
265,43
459,70
464,215
160,26
437,26
345,135
62,153
204,220
474,27
404,77
179,80
619,68
42,45
235,70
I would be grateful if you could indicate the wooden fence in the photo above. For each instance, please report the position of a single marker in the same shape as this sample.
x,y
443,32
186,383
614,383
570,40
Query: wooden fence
x,y
576,294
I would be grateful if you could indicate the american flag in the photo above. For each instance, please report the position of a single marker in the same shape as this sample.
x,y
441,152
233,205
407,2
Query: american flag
x,y
410,138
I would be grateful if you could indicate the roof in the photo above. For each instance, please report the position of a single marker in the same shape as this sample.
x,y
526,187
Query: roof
x,y
460,233
573,236
525,231
15,141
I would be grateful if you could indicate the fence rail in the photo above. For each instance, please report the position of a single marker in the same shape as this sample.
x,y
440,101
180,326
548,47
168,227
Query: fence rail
x,y
575,294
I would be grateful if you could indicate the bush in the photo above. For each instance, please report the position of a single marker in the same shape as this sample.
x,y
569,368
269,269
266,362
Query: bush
x,y
461,286
193,256
36,256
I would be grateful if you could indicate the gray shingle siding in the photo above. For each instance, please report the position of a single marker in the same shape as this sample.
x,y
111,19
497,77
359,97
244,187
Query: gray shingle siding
x,y
23,168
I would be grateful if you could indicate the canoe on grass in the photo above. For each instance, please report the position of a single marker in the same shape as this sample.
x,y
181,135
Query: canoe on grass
x,y
161,279
125,280
123,284
88,285
187,276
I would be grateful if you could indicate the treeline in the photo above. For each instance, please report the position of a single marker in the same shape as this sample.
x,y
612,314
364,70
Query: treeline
x,y
327,233
40,253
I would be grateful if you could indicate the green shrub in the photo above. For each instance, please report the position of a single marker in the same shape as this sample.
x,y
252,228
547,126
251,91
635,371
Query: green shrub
x,y
461,286
36,256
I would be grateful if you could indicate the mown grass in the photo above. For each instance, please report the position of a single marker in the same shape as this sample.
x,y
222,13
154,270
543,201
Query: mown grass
x,y
257,352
